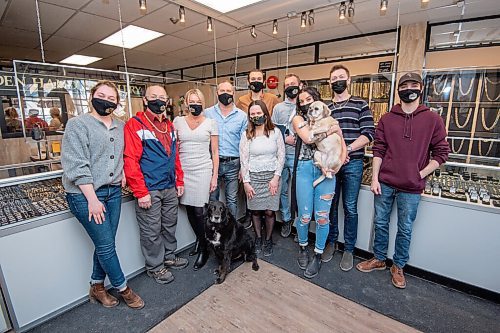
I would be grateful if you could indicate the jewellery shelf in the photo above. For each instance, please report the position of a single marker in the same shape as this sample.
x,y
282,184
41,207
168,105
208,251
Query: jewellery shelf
x,y
22,202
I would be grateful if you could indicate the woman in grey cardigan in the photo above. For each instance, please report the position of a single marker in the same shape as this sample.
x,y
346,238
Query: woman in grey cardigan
x,y
92,160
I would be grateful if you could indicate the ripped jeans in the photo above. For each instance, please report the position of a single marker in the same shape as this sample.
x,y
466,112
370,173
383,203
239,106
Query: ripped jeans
x,y
315,200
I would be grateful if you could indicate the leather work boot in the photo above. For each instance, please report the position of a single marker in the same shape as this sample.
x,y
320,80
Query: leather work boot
x,y
398,277
133,300
329,252
202,258
314,266
303,258
371,265
99,294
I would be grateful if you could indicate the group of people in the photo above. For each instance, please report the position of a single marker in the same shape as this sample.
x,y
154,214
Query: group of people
x,y
13,123
261,143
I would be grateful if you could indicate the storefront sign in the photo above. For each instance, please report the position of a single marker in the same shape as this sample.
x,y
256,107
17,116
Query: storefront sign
x,y
385,66
272,82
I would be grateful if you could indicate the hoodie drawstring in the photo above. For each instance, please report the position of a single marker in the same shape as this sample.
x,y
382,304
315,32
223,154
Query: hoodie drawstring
x,y
408,127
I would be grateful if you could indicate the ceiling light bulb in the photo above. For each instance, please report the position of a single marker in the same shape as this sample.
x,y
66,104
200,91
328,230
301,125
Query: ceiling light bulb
x,y
142,4
209,24
303,20
342,9
275,27
425,1
182,14
350,10
252,32
383,5
310,17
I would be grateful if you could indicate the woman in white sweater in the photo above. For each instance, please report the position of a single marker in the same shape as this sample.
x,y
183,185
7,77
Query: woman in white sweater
x,y
262,155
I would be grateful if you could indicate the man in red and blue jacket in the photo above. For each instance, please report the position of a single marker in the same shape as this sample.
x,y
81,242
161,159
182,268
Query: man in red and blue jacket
x,y
154,174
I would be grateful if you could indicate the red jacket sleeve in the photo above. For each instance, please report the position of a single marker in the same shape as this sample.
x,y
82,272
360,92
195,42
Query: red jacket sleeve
x,y
131,157
179,173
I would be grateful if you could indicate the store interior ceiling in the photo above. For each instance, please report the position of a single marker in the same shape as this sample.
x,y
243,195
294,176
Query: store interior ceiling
x,y
77,26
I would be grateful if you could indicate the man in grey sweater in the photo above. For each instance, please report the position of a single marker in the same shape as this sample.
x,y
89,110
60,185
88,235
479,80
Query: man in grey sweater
x,y
282,116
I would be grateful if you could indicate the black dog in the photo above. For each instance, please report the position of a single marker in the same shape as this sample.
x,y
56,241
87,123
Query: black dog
x,y
229,239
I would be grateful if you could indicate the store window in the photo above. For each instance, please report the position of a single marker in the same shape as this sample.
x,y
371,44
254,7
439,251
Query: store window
x,y
379,44
463,34
298,56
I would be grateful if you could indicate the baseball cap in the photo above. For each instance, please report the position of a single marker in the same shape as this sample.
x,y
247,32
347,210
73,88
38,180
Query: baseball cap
x,y
415,77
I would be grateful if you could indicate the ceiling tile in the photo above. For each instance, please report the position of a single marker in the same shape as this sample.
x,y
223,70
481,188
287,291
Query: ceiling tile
x,y
68,46
160,20
130,9
192,52
101,50
75,4
199,34
22,15
165,44
18,37
89,27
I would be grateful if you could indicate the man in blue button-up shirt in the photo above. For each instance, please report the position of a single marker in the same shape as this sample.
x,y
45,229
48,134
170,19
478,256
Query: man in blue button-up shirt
x,y
232,123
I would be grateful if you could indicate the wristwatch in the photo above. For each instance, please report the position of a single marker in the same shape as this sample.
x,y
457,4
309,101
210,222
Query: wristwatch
x,y
349,149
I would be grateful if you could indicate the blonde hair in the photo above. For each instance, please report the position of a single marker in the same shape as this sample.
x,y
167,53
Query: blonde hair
x,y
105,83
196,92
55,112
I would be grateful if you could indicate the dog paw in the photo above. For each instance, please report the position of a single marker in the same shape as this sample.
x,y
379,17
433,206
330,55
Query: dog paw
x,y
216,272
219,280
255,267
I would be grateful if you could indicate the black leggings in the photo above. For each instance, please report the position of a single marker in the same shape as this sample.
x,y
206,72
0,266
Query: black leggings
x,y
196,218
270,217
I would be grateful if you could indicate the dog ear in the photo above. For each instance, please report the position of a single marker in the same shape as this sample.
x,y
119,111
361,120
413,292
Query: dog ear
x,y
326,111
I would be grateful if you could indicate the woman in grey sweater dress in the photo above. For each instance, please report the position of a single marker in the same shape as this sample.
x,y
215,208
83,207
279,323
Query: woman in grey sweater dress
x,y
92,159
262,156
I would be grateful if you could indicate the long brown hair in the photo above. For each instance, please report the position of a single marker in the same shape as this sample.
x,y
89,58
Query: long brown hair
x,y
268,126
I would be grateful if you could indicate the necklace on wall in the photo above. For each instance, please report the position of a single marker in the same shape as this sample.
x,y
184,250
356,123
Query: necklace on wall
x,y
466,120
468,89
459,148
156,128
436,93
483,120
479,145
486,89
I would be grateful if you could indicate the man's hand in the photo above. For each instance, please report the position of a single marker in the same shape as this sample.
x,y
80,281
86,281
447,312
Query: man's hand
x,y
347,159
375,187
213,183
180,191
145,201
96,211
290,140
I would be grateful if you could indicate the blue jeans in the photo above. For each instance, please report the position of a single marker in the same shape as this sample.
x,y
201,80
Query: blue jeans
x,y
407,204
313,199
103,235
286,176
348,182
228,172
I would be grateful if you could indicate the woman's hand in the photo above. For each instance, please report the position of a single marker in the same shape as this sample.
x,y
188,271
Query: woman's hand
x,y
250,192
273,185
213,183
96,211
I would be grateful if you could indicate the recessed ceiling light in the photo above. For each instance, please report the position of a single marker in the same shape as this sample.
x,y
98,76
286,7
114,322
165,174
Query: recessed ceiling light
x,y
77,59
226,6
132,36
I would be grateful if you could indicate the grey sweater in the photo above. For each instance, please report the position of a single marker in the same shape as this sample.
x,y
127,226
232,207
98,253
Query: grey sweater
x,y
92,154
282,115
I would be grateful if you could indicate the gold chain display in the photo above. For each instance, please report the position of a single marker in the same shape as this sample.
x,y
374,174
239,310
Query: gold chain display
x,y
459,148
378,110
466,120
381,90
442,90
483,120
479,146
360,89
487,80
471,85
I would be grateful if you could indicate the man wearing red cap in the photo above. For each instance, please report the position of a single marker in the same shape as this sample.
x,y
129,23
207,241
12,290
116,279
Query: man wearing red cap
x,y
404,140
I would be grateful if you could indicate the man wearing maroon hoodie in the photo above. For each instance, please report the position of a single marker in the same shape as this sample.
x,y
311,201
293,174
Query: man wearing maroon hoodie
x,y
410,143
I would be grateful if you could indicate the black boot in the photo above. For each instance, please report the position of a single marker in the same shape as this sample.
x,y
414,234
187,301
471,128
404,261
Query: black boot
x,y
303,258
314,266
202,258
196,248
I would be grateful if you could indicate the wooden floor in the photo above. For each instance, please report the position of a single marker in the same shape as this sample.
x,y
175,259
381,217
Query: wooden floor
x,y
273,300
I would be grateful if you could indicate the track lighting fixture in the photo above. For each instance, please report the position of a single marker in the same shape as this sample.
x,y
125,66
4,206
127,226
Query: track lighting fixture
x,y
252,32
209,24
383,5
275,27
350,9
310,17
142,4
303,20
182,14
425,1
342,10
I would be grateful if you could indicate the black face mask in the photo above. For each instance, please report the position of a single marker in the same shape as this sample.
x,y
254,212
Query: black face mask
x,y
195,109
304,108
409,95
339,86
157,106
257,121
256,86
225,99
292,92
103,107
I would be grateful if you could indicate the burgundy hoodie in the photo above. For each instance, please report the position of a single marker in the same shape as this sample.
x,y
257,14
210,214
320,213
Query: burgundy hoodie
x,y
405,143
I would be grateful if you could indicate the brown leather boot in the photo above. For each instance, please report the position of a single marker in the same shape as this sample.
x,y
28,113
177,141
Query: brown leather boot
x,y
398,278
132,299
371,265
99,294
